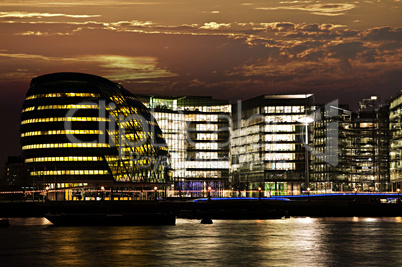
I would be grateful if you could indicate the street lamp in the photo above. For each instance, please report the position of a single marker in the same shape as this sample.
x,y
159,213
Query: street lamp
x,y
47,192
209,193
398,190
103,194
308,193
259,193
355,189
156,191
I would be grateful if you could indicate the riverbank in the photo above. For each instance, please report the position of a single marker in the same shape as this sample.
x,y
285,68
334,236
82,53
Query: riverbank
x,y
340,205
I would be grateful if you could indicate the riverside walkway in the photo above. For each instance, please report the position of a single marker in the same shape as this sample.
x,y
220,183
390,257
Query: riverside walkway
x,y
319,205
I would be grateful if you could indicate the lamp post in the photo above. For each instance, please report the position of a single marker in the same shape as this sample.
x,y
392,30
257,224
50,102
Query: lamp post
x,y
355,189
308,193
209,193
398,190
155,193
47,192
259,193
103,190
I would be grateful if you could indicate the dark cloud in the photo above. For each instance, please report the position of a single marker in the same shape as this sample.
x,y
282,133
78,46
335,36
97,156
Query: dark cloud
x,y
381,34
347,50
390,46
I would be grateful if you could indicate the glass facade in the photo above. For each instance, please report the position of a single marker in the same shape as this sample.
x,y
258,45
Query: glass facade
x,y
327,176
395,122
367,147
361,144
267,144
196,130
79,128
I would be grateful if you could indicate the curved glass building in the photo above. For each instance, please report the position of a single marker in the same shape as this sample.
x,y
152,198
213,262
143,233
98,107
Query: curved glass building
x,y
83,129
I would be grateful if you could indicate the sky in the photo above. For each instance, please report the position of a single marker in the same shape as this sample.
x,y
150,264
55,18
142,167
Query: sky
x,y
230,49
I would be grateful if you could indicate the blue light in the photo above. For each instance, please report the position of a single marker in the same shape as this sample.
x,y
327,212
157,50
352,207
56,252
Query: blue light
x,y
339,194
242,198
288,197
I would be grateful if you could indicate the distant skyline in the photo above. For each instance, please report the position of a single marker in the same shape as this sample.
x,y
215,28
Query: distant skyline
x,y
346,50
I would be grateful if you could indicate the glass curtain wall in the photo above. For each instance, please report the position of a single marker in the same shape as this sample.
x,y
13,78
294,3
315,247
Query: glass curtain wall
x,y
196,130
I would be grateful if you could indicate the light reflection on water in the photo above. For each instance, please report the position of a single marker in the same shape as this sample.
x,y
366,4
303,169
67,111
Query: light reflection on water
x,y
290,242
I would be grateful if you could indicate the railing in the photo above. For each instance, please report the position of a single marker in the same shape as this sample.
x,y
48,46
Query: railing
x,y
69,194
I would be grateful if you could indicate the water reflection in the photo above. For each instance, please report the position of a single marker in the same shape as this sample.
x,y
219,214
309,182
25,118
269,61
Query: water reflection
x,y
294,242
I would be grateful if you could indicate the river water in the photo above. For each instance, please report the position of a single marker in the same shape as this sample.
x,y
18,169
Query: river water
x,y
285,242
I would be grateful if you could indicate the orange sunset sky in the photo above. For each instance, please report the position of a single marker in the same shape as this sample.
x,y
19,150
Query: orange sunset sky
x,y
229,49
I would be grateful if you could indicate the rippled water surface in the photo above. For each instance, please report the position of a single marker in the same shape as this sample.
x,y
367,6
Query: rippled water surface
x,y
290,242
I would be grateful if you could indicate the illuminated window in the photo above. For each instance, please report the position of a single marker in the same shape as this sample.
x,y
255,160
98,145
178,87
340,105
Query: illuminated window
x,y
213,146
38,120
49,159
70,106
269,109
207,164
280,128
206,117
69,172
280,147
63,95
207,155
280,166
279,156
279,137
61,132
282,118
207,136
207,127
396,102
64,145
28,109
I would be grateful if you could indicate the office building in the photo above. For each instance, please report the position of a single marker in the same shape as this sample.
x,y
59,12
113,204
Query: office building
x,y
196,130
329,164
267,144
395,127
367,147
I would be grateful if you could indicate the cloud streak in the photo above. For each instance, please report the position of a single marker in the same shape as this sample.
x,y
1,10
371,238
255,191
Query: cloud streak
x,y
334,9
21,15
39,3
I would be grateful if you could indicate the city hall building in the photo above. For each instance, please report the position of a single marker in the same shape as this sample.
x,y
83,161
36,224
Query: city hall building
x,y
80,130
